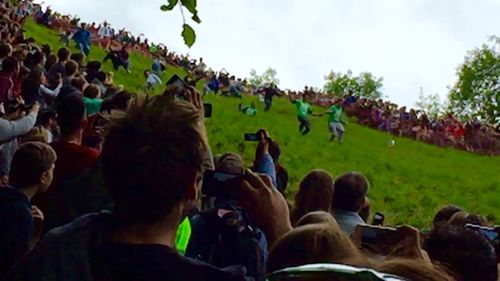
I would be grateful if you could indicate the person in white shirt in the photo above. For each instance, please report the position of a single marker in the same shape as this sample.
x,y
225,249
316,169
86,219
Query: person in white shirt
x,y
105,35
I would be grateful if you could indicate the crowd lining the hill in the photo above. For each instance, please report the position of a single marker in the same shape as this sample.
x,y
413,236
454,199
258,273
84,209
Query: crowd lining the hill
x,y
100,184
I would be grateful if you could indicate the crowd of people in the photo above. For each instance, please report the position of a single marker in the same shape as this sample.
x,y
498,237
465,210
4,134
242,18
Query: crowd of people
x,y
101,184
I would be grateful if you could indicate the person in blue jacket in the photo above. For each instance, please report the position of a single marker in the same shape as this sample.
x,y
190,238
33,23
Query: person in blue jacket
x,y
82,39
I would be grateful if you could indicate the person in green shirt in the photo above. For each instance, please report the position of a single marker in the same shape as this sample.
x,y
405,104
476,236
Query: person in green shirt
x,y
92,99
336,122
303,112
249,110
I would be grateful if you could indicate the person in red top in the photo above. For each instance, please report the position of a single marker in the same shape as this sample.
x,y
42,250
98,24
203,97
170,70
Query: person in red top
x,y
73,158
10,69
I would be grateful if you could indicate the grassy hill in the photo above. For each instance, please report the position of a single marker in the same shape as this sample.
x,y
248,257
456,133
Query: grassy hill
x,y
409,181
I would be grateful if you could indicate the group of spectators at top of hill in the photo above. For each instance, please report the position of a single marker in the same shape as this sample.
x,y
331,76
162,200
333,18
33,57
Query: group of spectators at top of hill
x,y
126,188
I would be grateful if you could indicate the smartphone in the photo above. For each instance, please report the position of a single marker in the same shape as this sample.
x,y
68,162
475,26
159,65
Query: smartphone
x,y
380,239
378,219
207,107
179,87
221,185
251,137
491,233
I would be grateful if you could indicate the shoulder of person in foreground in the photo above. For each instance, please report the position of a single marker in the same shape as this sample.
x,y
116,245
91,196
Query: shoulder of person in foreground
x,y
66,247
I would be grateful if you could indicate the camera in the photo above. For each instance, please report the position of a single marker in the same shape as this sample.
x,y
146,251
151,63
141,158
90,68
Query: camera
x,y
221,185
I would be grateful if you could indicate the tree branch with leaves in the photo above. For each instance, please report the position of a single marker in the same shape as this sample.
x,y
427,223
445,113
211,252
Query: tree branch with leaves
x,y
188,32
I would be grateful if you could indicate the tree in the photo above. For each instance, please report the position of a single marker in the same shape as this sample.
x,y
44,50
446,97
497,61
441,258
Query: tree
x,y
365,85
265,79
188,32
477,90
431,104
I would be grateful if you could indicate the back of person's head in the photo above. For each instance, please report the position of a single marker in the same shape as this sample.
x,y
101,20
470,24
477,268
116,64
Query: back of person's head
x,y
463,218
32,165
63,54
94,66
349,192
466,252
314,194
46,117
314,243
317,217
101,76
92,91
444,214
230,163
78,57
71,68
5,50
152,159
79,83
51,60
70,114
121,100
415,270
10,65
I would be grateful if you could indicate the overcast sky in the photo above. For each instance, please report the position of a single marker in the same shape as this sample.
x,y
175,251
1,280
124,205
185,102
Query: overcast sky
x,y
411,43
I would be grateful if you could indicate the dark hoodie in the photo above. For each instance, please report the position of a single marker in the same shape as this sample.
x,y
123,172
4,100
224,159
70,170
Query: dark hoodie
x,y
78,251
16,227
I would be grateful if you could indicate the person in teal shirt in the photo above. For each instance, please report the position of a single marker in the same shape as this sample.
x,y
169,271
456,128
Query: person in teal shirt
x,y
336,122
303,112
92,99
249,110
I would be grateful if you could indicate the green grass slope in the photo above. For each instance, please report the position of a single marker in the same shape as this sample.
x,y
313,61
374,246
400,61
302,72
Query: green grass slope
x,y
409,181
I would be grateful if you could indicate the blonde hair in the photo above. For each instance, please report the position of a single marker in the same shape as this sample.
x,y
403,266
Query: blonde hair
x,y
315,243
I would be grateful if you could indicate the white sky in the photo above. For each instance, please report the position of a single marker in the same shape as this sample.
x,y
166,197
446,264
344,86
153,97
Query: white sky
x,y
411,43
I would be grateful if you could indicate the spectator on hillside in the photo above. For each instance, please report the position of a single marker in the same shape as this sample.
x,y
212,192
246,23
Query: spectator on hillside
x,y
444,214
315,194
281,172
92,99
5,51
10,70
59,69
48,122
222,235
30,173
17,125
349,193
35,88
73,158
150,203
464,251
314,243
71,71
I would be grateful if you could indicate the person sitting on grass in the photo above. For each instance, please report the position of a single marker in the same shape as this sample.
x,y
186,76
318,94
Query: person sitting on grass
x,y
249,110
152,79
31,172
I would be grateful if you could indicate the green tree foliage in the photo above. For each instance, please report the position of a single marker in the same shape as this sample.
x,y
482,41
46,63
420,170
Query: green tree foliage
x,y
365,84
265,79
188,32
431,104
477,90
